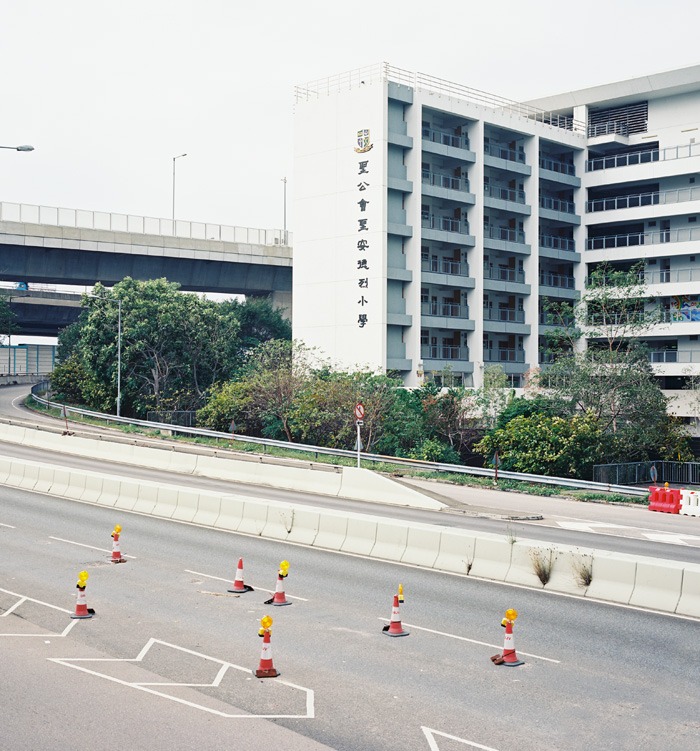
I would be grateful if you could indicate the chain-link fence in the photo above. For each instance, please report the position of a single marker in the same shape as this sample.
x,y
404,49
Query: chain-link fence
x,y
648,473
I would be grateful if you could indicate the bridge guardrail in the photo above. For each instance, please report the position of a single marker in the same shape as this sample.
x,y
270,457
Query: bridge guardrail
x,y
321,450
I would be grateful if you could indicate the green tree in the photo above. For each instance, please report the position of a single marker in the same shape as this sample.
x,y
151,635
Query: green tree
x,y
544,445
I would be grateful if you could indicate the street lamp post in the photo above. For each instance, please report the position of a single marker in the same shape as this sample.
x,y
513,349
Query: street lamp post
x,y
284,180
174,158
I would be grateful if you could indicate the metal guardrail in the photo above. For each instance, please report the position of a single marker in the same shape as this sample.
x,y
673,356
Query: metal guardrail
x,y
320,450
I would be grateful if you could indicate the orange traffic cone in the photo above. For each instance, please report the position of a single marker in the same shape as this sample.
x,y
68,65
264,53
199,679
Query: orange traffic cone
x,y
238,585
266,669
395,628
279,598
116,548
509,656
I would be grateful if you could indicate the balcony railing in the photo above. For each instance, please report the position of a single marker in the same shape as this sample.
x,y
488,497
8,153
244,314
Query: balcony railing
x,y
502,152
557,243
668,276
505,194
643,199
642,238
643,157
445,309
555,165
445,266
445,138
443,352
673,355
680,316
504,233
445,223
612,127
556,280
504,355
557,204
445,181
549,319
510,315
504,275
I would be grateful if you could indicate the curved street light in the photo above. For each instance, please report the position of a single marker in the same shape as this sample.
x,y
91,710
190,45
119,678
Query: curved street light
x,y
25,147
174,158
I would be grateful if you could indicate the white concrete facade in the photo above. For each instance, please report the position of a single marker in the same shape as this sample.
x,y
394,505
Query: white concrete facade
x,y
480,209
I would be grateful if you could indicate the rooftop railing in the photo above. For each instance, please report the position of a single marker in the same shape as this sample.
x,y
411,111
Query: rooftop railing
x,y
635,200
643,157
612,127
140,225
420,81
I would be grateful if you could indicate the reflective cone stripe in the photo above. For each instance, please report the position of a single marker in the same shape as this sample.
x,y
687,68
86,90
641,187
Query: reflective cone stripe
x,y
509,655
81,610
266,669
395,628
238,585
116,549
280,598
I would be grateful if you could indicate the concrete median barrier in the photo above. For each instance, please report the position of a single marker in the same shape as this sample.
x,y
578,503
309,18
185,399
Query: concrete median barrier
x,y
613,576
166,502
657,585
231,513
5,468
44,481
422,546
361,535
254,517
392,537
128,494
93,488
523,558
491,557
689,602
280,519
305,523
60,482
456,551
208,509
332,530
365,485
187,505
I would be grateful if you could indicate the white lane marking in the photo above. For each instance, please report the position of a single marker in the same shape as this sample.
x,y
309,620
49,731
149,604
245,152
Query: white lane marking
x,y
9,526
261,589
24,598
669,538
432,743
472,641
225,666
92,547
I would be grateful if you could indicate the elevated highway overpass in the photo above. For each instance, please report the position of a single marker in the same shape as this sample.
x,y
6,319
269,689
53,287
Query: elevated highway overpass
x,y
48,245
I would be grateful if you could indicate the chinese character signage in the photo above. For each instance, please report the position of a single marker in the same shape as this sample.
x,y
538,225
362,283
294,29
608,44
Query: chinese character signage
x,y
365,217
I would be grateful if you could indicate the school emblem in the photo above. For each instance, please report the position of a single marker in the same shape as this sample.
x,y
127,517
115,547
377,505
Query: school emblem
x,y
363,144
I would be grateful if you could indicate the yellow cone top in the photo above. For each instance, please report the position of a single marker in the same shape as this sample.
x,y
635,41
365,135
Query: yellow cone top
x,y
117,529
266,622
83,576
511,614
284,566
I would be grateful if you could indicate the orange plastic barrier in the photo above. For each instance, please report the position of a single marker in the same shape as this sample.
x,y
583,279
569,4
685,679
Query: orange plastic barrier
x,y
666,500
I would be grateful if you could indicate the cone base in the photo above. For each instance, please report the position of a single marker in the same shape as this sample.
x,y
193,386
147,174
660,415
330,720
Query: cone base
x,y
399,633
81,617
280,604
118,560
512,664
266,673
246,588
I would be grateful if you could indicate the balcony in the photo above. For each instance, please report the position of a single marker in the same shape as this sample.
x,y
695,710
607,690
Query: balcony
x,y
643,157
504,194
445,266
555,165
445,223
642,238
557,204
509,315
504,233
674,356
668,276
501,152
609,128
556,280
444,352
643,199
504,355
444,309
557,243
445,138
549,319
445,181
504,275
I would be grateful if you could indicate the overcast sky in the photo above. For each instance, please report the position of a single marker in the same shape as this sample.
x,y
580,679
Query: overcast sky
x,y
109,92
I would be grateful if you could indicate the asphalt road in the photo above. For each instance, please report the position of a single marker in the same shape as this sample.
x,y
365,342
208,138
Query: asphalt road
x,y
595,676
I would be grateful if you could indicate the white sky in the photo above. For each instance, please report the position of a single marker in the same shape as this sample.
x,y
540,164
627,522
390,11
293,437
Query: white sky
x,y
109,92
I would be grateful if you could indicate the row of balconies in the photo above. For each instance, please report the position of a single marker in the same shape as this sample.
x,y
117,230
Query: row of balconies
x,y
632,239
635,200
647,156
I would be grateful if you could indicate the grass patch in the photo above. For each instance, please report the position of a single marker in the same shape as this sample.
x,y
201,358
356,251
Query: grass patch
x,y
542,564
583,570
591,495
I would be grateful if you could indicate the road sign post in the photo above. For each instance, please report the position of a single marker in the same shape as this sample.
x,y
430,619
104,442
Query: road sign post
x,y
359,414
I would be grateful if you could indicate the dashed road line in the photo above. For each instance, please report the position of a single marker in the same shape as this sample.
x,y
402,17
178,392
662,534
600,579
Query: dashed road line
x,y
92,547
9,526
22,599
472,641
230,581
